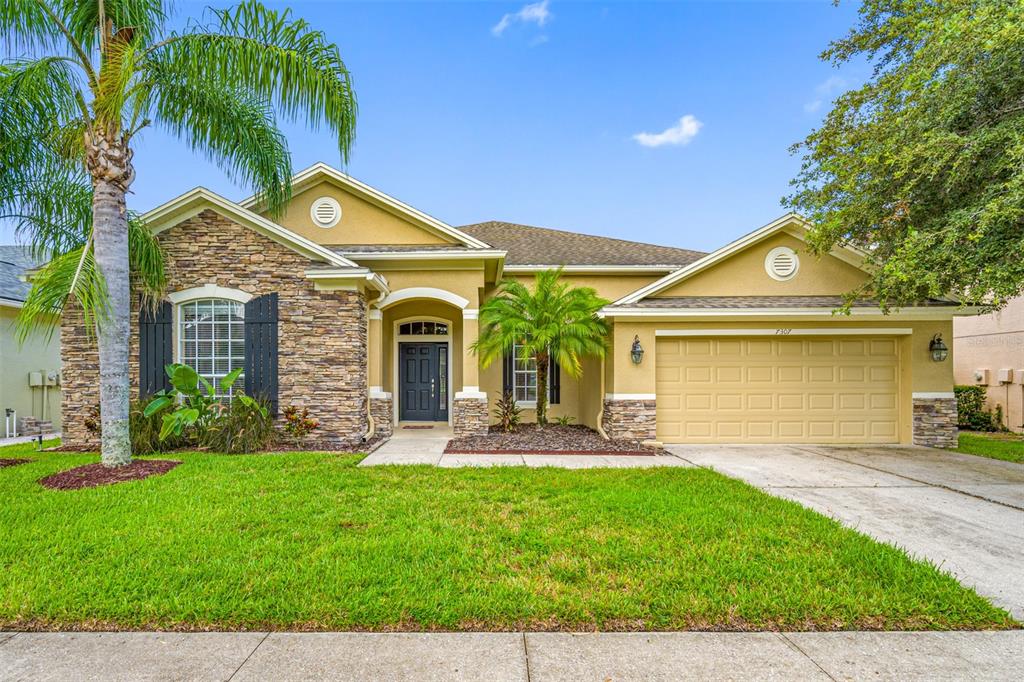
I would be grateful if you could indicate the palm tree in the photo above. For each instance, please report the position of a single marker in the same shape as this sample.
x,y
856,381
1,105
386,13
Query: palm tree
x,y
555,320
94,73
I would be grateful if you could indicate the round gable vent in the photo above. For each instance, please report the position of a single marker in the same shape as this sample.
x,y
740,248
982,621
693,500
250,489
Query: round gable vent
x,y
781,263
325,212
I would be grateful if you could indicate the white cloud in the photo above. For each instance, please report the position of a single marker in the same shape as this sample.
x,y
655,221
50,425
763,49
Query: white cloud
x,y
826,90
536,13
679,134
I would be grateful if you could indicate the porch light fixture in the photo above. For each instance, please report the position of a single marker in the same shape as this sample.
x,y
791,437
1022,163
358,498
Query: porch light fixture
x,y
637,351
938,348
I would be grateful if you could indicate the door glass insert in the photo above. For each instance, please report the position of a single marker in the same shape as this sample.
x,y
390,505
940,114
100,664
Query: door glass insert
x,y
423,328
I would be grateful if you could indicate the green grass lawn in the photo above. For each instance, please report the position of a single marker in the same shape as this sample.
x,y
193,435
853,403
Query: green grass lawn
x,y
1005,446
309,541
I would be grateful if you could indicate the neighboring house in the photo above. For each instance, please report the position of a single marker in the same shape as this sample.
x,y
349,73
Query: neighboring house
x,y
988,350
363,309
29,372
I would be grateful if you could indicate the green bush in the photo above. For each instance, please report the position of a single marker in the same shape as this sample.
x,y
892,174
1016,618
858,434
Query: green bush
x,y
970,409
244,425
145,430
507,412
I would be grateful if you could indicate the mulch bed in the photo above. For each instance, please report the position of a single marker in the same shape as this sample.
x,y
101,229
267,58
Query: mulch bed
x,y
92,475
553,439
12,461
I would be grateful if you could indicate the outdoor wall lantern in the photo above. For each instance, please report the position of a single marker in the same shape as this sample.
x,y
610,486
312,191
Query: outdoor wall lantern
x,y
637,351
938,348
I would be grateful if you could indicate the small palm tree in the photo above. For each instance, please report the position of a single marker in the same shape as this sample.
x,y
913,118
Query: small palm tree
x,y
555,320
94,73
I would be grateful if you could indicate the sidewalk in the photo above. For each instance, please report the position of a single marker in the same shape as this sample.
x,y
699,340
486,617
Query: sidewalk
x,y
529,657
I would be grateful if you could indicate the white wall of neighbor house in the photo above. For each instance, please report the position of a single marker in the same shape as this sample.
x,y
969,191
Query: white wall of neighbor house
x,y
989,350
39,353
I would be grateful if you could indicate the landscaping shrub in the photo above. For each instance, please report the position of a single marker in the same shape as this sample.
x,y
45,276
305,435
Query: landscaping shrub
x,y
145,429
970,409
244,425
298,424
507,412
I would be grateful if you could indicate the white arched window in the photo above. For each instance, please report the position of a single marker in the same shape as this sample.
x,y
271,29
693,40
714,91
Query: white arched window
x,y
211,338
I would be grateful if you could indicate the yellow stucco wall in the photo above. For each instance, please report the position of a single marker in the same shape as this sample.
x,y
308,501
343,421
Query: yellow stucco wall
x,y
16,361
466,283
611,287
743,274
361,221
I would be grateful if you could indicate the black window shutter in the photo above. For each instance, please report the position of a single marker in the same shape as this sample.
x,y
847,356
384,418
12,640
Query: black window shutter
x,y
506,373
261,349
554,382
155,347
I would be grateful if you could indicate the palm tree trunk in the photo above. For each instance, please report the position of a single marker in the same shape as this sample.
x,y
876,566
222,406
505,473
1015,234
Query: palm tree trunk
x,y
542,388
109,163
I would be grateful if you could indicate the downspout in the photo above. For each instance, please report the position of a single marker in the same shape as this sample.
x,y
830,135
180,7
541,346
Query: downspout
x,y
600,412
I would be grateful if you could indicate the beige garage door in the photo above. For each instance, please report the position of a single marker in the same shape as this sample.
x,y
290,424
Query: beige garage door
x,y
782,390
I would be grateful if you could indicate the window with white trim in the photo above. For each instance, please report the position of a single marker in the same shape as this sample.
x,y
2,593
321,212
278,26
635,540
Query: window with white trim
x,y
211,338
524,375
424,328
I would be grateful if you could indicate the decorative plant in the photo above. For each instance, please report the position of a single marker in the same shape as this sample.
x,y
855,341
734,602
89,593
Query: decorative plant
x,y
243,426
298,424
565,420
197,399
146,428
554,320
970,409
507,412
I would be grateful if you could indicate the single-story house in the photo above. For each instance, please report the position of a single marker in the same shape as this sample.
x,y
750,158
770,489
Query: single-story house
x,y
363,309
988,350
29,371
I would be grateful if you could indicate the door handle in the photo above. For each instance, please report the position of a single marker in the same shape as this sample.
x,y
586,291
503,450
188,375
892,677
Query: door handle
x,y
431,387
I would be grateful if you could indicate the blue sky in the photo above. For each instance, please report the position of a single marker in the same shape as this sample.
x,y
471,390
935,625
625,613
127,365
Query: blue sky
x,y
660,122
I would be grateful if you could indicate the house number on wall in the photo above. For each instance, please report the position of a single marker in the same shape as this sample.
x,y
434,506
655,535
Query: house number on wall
x,y
783,332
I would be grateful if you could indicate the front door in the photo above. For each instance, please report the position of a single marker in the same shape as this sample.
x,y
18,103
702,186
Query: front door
x,y
423,382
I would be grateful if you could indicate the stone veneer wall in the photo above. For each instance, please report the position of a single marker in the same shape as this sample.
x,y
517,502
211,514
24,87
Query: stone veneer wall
x,y
469,417
935,422
381,409
321,335
629,419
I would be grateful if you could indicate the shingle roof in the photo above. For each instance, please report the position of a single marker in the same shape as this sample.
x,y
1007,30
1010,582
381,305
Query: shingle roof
x,y
528,245
730,302
14,261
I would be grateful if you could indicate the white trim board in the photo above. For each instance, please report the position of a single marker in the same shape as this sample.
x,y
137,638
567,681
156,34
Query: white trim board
x,y
430,293
195,201
209,291
923,313
927,395
630,396
595,269
787,331
306,177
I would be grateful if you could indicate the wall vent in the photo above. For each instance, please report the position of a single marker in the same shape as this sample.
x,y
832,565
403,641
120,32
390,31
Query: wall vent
x,y
325,212
781,263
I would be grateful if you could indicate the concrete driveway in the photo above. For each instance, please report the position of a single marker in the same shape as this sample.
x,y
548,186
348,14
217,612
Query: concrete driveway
x,y
964,513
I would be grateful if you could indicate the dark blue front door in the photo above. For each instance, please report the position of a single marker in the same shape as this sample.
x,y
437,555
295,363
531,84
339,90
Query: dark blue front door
x,y
423,382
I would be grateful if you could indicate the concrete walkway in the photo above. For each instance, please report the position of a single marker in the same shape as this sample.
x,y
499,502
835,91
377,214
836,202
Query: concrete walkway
x,y
529,657
964,513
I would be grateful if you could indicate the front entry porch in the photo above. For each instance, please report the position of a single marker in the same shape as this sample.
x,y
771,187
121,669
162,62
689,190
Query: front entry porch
x,y
421,368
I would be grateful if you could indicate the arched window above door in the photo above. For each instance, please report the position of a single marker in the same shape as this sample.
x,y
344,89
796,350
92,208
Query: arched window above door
x,y
423,328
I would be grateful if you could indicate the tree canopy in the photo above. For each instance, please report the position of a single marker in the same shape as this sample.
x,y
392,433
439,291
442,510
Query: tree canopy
x,y
922,167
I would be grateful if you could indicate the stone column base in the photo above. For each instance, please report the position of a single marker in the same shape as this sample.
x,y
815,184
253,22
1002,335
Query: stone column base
x,y
935,422
629,419
469,414
382,411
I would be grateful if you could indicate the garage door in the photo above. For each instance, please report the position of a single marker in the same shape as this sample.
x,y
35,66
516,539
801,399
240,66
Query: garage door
x,y
788,390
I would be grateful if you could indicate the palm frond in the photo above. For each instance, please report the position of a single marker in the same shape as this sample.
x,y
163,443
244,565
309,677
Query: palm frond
x,y
230,126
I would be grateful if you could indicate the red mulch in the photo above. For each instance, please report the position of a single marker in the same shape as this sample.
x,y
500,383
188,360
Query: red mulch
x,y
92,475
553,439
12,461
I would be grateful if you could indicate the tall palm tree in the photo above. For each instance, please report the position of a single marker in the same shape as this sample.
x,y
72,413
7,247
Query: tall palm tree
x,y
93,74
555,320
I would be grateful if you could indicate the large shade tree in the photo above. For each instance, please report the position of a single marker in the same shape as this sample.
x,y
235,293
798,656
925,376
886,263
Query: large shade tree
x,y
923,166
553,320
87,77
